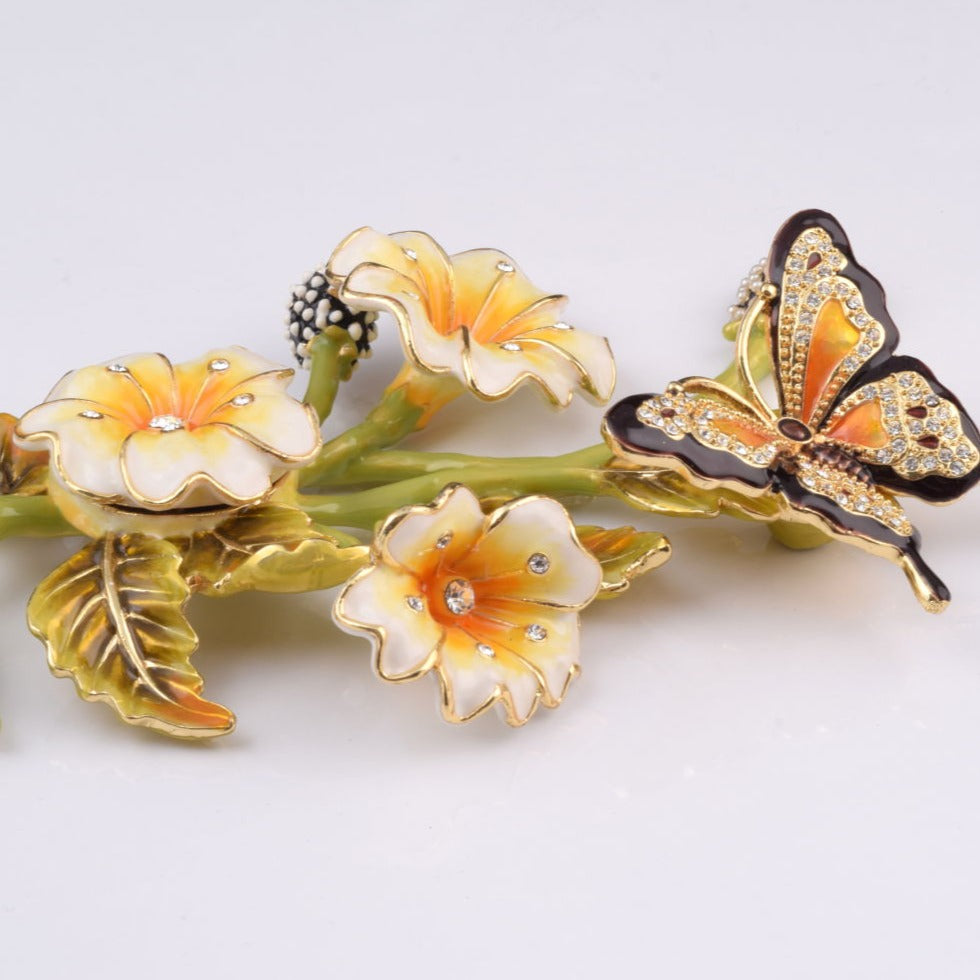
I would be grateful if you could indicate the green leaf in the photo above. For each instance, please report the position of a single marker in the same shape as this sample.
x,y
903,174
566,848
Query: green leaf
x,y
624,553
670,495
112,618
270,548
22,471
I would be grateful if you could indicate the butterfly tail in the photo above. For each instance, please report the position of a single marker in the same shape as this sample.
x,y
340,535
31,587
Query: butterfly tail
x,y
929,589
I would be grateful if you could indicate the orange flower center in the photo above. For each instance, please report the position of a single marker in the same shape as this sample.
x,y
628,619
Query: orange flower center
x,y
451,597
186,405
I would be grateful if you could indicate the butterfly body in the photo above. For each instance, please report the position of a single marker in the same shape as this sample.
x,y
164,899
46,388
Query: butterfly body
x,y
854,427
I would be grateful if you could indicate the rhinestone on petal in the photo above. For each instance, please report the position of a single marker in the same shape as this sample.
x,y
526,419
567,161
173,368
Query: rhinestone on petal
x,y
504,267
219,364
444,540
538,563
90,413
536,633
459,597
485,650
245,398
415,603
118,368
510,345
166,423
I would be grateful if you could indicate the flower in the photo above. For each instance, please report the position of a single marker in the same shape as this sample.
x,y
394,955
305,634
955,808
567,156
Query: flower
x,y
141,433
474,315
488,603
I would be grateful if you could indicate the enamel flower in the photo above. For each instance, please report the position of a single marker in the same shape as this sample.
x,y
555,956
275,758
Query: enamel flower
x,y
474,315
489,603
142,434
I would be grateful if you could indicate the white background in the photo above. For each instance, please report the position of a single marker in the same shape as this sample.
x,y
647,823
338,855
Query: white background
x,y
769,766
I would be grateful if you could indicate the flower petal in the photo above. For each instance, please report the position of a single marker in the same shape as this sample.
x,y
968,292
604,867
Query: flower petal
x,y
493,371
546,638
204,466
545,312
434,273
490,291
589,354
413,536
368,245
472,681
143,389
207,382
374,287
375,603
85,452
538,528
276,423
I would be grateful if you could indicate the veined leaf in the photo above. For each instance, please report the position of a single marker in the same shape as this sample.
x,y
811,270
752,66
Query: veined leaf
x,y
22,471
271,548
667,494
112,618
624,553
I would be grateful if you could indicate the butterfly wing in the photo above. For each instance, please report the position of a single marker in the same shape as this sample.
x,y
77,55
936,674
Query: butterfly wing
x,y
859,513
833,344
829,323
910,430
698,428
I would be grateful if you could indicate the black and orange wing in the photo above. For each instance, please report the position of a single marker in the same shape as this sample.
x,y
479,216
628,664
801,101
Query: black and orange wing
x,y
833,347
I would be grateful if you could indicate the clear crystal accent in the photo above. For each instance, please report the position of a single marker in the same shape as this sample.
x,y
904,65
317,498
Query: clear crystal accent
x,y
561,325
510,345
118,368
243,399
410,253
415,603
219,364
505,267
536,633
485,650
459,596
90,413
443,542
538,563
166,423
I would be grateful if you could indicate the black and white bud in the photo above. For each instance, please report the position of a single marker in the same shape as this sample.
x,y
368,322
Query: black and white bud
x,y
313,308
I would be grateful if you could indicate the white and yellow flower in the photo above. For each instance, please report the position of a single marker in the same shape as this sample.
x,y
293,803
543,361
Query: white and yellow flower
x,y
474,315
489,603
142,434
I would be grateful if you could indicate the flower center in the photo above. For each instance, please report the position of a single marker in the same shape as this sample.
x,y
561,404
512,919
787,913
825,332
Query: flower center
x,y
459,596
166,423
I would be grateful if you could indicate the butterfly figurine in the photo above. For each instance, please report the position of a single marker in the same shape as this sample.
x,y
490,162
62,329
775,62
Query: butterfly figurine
x,y
855,425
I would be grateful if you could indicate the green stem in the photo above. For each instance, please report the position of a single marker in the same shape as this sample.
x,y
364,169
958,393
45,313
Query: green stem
x,y
760,357
332,353
406,406
393,465
32,516
575,475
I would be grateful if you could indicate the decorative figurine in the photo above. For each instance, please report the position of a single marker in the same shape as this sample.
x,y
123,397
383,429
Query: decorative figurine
x,y
855,424
209,477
